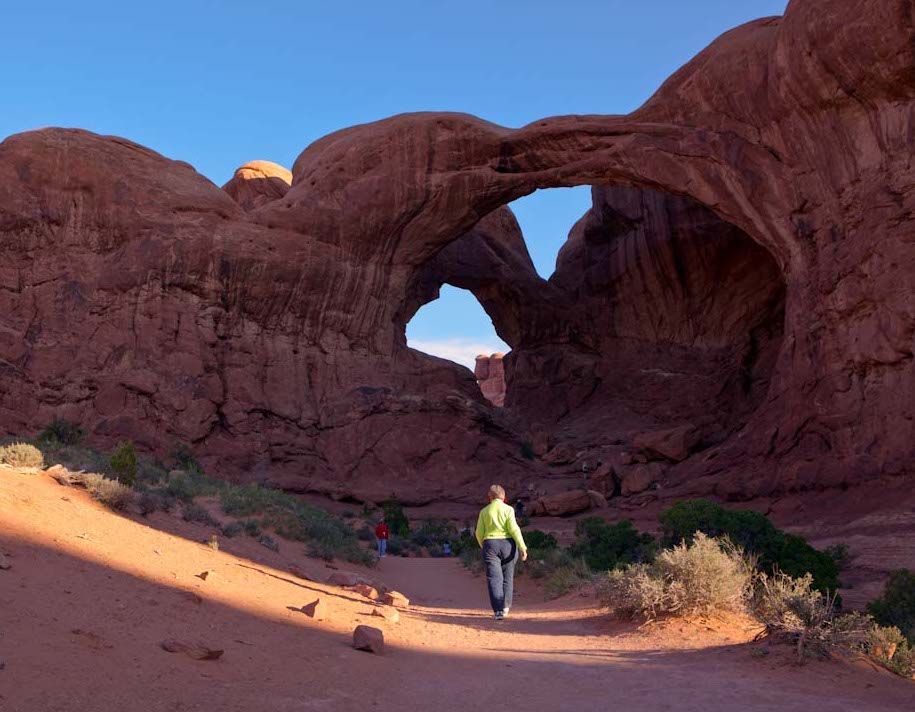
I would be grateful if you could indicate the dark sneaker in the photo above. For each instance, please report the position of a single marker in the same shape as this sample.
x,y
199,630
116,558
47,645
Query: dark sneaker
x,y
499,615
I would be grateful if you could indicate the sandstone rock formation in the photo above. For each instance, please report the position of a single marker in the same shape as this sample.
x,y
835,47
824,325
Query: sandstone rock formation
x,y
257,183
747,266
490,374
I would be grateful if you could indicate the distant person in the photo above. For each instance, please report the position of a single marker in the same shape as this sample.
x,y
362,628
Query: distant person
x,y
519,508
499,536
382,532
446,548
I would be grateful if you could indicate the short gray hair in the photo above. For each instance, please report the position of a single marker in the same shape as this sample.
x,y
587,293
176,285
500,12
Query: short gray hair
x,y
496,492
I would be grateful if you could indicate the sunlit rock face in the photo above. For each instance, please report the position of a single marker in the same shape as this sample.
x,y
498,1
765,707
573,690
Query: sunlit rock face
x,y
490,374
257,183
746,268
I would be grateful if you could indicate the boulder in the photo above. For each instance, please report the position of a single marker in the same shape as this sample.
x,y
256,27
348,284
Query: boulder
x,y
5,563
672,443
638,478
562,454
364,590
598,501
562,504
346,579
366,637
389,614
394,598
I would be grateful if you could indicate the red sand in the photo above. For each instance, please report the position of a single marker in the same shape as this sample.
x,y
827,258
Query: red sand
x,y
91,595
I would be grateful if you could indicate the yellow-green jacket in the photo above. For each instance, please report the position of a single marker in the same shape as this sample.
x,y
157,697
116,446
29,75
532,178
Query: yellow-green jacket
x,y
497,521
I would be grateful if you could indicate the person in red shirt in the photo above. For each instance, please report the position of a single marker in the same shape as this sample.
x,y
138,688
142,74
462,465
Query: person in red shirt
x,y
381,534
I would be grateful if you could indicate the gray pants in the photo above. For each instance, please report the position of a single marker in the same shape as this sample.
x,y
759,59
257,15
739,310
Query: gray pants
x,y
500,557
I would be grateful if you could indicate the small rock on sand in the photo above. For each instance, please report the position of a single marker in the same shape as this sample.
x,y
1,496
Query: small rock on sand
x,y
389,614
317,609
395,598
197,651
5,562
363,589
365,637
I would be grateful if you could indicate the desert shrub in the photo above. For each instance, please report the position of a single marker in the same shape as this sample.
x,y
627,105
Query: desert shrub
x,y
701,577
606,546
395,517
124,463
111,493
252,527
61,432
198,515
755,534
188,485
21,455
433,532
245,500
184,459
269,542
890,648
896,607
365,534
233,529
465,541
567,577
150,472
527,450
537,540
792,610
149,501
472,559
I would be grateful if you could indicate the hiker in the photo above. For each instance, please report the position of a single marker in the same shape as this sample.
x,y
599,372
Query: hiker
x,y
446,549
499,536
519,508
381,534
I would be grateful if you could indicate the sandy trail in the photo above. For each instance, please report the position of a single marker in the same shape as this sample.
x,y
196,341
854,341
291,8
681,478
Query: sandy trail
x,y
92,594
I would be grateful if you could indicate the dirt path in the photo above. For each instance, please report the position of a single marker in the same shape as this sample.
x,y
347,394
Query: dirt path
x,y
91,595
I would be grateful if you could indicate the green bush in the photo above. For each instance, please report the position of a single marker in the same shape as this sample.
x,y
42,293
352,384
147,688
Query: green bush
x,y
61,432
537,540
755,534
434,532
153,501
606,546
124,463
184,459
704,576
252,527
896,607
21,455
394,516
188,485
111,493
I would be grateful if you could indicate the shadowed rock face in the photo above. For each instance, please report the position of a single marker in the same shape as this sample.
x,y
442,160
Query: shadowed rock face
x,y
747,267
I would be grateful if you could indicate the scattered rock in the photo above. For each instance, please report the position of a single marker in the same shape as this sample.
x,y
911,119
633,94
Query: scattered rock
x,y
389,614
671,443
365,637
317,609
598,501
639,478
197,651
562,454
363,589
562,504
395,598
345,579
204,575
5,563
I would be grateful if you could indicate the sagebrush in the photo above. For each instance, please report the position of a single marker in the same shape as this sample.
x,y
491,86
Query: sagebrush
x,y
704,576
21,455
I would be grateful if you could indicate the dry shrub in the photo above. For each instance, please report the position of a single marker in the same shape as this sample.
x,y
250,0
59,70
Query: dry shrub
x,y
111,493
21,455
702,577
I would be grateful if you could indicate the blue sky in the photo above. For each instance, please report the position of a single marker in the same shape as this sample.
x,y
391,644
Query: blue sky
x,y
220,83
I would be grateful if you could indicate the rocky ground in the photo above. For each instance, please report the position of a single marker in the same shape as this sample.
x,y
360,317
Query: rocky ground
x,y
92,600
